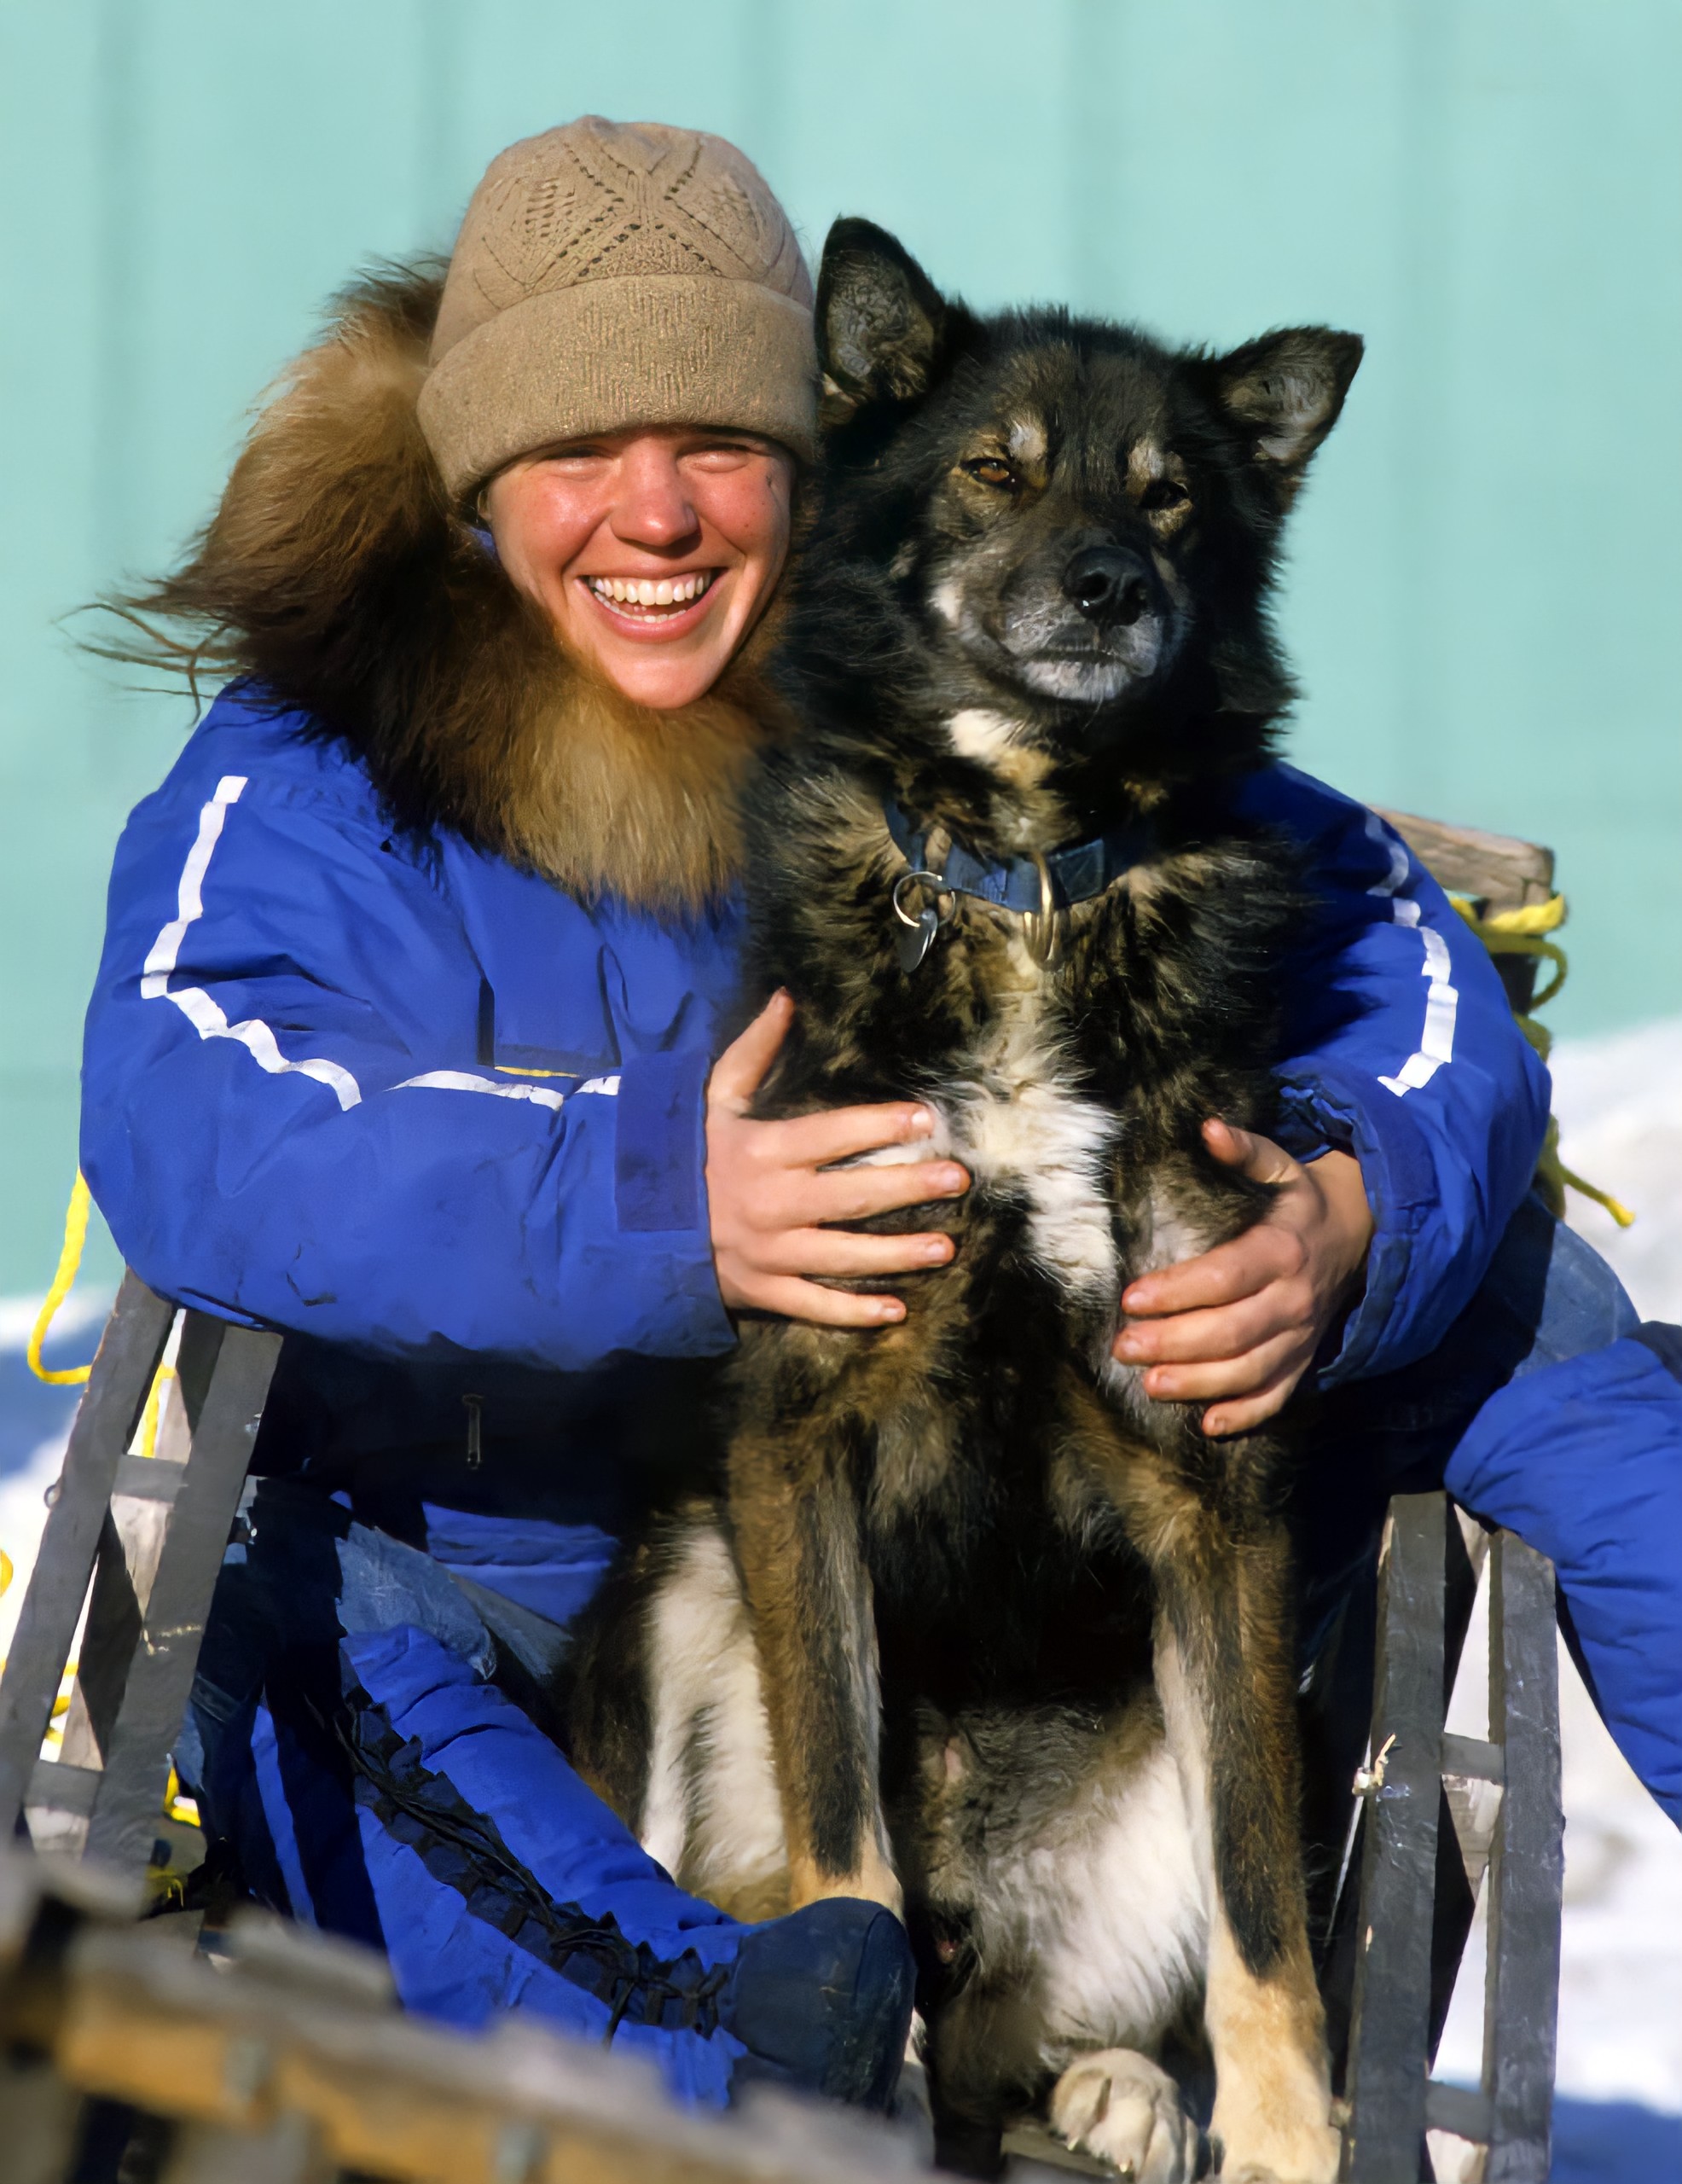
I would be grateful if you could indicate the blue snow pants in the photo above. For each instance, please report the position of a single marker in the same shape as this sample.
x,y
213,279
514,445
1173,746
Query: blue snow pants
x,y
347,1743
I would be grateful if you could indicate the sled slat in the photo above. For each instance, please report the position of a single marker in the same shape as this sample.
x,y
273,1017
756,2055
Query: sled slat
x,y
225,1373
1461,2109
1525,1867
1390,2024
1499,870
106,1418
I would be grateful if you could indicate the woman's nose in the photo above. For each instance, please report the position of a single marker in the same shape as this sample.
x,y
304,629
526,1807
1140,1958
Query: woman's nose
x,y
652,505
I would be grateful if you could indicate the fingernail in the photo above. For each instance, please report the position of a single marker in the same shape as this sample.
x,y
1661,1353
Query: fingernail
x,y
937,1252
952,1179
1128,1345
890,1309
922,1122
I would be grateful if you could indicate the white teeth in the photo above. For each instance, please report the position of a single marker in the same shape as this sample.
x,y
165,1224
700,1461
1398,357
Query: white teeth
x,y
643,591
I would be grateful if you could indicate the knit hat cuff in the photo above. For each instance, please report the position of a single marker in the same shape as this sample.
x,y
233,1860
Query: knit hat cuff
x,y
597,356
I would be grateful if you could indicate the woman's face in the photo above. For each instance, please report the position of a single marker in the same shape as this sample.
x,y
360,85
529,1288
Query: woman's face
x,y
654,552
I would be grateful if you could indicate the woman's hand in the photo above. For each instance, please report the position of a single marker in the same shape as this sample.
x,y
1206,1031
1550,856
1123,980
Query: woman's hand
x,y
1240,1325
772,1189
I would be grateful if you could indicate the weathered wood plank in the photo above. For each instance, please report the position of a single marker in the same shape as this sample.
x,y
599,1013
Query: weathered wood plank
x,y
235,2054
122,1370
1526,1866
1499,870
234,1367
1385,2079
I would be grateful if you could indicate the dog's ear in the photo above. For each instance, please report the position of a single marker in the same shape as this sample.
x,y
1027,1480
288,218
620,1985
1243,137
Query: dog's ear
x,y
879,319
1284,392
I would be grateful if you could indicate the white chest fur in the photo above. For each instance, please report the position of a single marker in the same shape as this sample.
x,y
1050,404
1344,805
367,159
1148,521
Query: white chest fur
x,y
1017,1122
1011,1111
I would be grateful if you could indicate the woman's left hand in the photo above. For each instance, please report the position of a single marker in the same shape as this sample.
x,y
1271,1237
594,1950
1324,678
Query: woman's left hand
x,y
1239,1327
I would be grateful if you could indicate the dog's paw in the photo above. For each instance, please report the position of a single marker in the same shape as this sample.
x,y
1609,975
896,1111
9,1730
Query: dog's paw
x,y
1125,2108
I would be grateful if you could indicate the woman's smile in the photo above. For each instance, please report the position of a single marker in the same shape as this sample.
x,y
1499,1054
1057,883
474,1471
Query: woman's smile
x,y
644,606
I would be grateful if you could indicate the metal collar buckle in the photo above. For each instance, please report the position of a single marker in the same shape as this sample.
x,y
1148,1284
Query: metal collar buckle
x,y
914,942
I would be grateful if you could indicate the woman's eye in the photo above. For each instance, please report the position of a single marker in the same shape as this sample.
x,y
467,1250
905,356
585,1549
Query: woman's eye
x,y
1164,493
991,470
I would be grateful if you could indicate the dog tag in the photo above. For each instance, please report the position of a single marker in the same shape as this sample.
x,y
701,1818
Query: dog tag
x,y
914,941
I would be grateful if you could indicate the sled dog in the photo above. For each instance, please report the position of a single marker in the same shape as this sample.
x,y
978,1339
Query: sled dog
x,y
977,1629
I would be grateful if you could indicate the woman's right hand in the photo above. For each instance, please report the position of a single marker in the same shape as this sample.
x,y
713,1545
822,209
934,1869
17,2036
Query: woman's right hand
x,y
773,1189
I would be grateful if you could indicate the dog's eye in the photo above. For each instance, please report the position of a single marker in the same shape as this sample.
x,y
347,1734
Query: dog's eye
x,y
1164,493
992,470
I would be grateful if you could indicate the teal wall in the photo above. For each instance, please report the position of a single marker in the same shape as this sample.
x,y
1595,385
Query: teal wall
x,y
1484,593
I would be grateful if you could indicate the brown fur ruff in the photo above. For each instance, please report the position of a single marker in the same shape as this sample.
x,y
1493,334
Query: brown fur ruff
x,y
336,576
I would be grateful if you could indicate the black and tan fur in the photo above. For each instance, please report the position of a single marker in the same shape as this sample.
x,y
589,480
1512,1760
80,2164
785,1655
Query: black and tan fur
x,y
1011,1640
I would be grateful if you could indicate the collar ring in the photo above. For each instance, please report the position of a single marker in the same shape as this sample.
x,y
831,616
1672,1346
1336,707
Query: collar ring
x,y
1042,929
936,883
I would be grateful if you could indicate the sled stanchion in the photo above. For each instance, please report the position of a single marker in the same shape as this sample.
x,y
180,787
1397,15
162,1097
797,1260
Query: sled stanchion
x,y
225,1373
122,1370
150,1531
1525,1867
1402,1786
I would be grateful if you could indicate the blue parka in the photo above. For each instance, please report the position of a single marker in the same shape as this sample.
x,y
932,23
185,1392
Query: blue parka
x,y
443,1123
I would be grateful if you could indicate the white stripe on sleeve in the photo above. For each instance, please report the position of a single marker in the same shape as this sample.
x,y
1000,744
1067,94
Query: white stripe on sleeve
x,y
462,1080
194,1004
1442,1000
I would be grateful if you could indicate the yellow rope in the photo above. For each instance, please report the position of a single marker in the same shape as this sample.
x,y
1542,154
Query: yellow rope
x,y
75,1376
149,1417
1524,932
69,1260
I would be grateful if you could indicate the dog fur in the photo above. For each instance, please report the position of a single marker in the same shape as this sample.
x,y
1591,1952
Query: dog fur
x,y
980,1631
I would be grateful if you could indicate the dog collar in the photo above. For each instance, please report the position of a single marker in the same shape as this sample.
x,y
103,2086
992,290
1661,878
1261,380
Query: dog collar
x,y
1040,889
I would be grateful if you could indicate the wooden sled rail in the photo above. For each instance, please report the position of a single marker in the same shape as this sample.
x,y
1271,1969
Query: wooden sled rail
x,y
292,2064
1498,871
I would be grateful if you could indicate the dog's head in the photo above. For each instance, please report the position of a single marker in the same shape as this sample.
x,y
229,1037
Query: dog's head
x,y
1048,541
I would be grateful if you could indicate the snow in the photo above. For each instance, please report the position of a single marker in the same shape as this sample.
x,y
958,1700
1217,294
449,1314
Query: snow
x,y
23,1514
1618,1100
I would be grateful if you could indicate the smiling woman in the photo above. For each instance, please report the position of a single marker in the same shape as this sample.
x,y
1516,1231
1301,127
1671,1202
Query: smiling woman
x,y
416,969
654,552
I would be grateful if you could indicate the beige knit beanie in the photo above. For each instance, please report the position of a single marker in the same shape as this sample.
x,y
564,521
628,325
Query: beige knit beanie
x,y
610,274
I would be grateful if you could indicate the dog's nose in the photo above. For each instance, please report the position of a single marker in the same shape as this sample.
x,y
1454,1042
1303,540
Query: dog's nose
x,y
1108,583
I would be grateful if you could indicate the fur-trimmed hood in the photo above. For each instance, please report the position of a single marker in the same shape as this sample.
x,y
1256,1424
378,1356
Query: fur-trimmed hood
x,y
336,574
